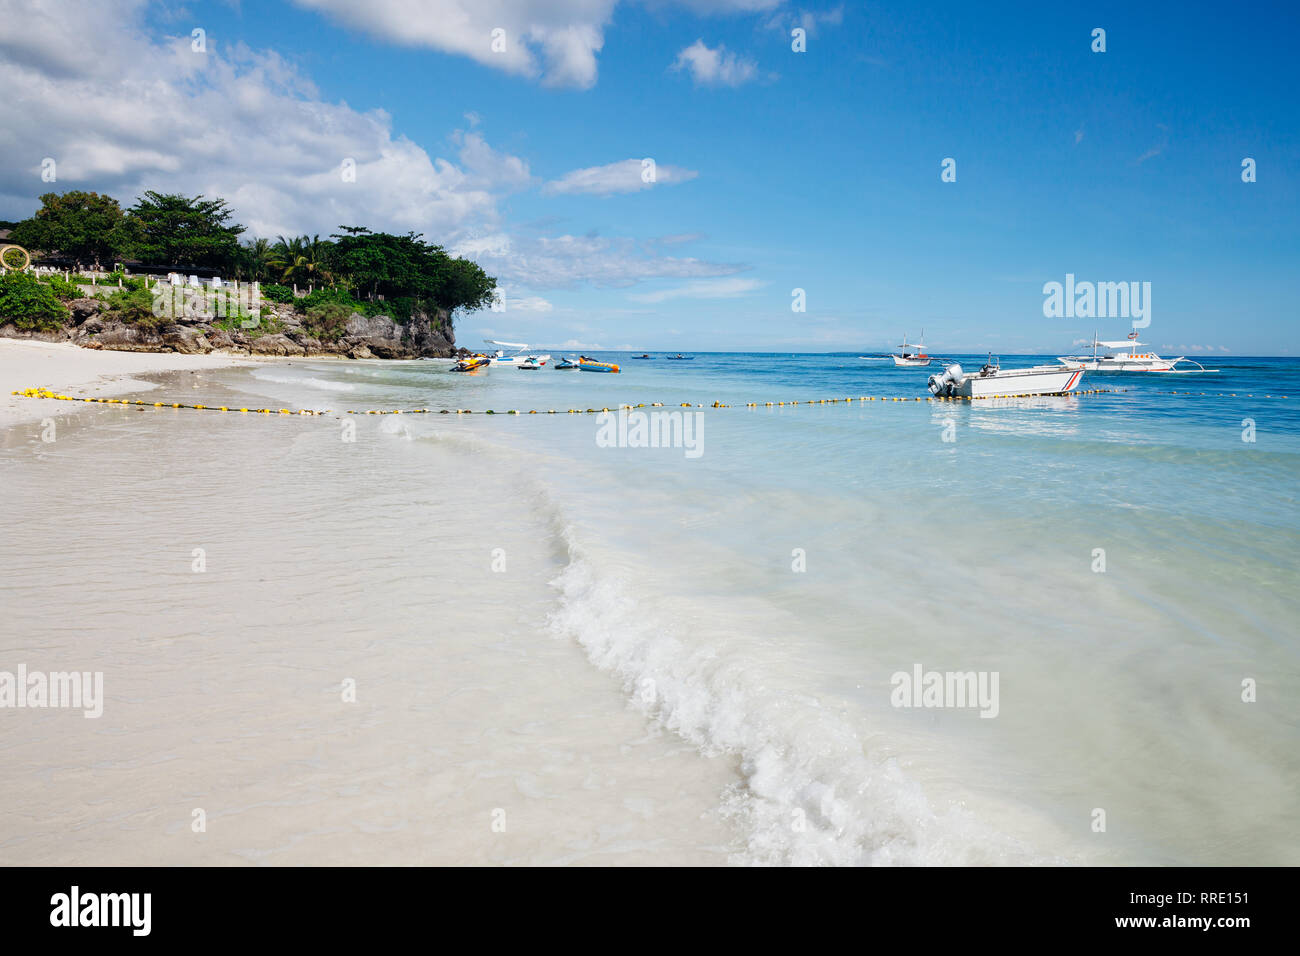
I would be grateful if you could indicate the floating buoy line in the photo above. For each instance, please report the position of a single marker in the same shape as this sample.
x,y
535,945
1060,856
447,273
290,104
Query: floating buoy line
x,y
49,393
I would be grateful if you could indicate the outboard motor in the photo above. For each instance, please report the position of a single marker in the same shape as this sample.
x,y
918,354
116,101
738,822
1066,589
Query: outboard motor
x,y
943,384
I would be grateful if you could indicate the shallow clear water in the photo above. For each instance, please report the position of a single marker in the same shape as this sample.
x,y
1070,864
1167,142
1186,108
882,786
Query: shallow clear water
x,y
680,657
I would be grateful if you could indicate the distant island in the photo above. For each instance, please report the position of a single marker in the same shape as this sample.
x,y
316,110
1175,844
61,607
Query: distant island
x,y
182,280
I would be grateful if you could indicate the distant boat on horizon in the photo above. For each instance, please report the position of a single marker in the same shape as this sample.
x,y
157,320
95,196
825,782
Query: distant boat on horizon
x,y
1116,359
912,355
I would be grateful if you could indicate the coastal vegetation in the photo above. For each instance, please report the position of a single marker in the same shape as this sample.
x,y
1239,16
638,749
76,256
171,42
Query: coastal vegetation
x,y
367,272
30,305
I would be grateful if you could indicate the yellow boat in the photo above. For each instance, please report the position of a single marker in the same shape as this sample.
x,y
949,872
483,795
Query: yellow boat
x,y
591,365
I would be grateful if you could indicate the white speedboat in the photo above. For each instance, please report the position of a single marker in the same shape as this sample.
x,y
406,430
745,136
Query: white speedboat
x,y
994,381
517,357
1123,356
912,354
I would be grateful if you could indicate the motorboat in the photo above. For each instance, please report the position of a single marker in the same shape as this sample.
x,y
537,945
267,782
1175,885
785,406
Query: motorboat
x,y
994,381
1123,356
912,355
531,363
591,365
679,357
517,357
566,365
472,363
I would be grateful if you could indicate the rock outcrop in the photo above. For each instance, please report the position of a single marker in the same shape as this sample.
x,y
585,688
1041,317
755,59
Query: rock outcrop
x,y
280,333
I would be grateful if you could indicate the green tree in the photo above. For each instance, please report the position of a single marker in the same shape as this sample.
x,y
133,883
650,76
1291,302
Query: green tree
x,y
85,227
173,230
378,263
465,285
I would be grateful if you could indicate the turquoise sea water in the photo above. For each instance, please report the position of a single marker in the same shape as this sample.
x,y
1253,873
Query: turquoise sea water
x,y
1121,688
1124,564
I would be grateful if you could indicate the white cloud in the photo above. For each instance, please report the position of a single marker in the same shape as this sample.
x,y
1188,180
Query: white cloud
x,y
233,122
555,41
557,262
625,176
679,238
715,67
528,303
488,169
247,126
710,7
809,20
702,289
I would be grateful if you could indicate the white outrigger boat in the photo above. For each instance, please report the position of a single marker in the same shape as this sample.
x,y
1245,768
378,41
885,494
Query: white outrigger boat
x,y
993,381
517,357
1116,359
912,354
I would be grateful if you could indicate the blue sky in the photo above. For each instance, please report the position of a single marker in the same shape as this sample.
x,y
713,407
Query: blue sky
x,y
778,170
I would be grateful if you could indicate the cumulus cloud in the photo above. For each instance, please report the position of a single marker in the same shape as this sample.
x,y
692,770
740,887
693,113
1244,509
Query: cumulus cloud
x,y
625,176
555,41
121,111
715,67
130,113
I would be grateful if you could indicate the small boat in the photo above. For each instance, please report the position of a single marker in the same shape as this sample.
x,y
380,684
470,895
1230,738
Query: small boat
x,y
517,357
992,380
472,364
591,365
912,355
640,356
566,364
1115,359
532,362
679,357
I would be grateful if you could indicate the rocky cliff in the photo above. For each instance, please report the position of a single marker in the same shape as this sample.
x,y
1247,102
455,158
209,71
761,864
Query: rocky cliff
x,y
280,333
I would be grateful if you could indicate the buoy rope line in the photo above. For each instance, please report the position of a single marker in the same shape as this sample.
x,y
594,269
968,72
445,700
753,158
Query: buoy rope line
x,y
48,393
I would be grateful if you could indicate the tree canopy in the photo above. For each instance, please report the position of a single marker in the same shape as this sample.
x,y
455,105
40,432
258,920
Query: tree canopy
x,y
85,227
383,264
175,230
168,229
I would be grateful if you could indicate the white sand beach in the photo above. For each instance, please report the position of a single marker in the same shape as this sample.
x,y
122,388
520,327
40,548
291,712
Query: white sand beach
x,y
92,372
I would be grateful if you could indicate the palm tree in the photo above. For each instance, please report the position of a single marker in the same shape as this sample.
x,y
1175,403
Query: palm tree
x,y
301,259
254,260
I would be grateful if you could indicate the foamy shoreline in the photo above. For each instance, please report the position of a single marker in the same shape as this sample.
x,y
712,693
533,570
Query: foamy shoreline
x,y
25,363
